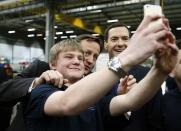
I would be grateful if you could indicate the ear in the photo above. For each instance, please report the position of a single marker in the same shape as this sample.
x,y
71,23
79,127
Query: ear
x,y
105,45
52,66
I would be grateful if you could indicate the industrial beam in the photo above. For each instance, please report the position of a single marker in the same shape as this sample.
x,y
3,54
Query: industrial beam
x,y
78,22
34,7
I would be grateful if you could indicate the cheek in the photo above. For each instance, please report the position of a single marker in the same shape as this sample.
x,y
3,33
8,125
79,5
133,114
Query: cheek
x,y
110,47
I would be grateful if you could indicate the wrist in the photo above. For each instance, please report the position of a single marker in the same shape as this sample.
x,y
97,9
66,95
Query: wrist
x,y
115,65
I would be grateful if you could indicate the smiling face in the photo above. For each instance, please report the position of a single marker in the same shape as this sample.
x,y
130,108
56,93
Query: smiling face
x,y
118,38
67,58
70,65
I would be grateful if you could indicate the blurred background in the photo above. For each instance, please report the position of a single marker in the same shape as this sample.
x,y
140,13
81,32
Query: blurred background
x,y
28,28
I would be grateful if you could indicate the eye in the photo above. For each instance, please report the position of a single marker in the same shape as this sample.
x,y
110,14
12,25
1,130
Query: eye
x,y
114,39
68,56
125,38
95,57
86,53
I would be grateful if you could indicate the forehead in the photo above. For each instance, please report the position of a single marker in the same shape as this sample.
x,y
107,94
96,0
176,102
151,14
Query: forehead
x,y
118,31
71,51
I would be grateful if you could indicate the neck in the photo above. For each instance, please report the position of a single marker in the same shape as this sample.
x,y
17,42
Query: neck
x,y
72,81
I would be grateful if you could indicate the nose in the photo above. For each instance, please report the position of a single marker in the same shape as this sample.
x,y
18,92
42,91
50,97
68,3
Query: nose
x,y
76,61
121,42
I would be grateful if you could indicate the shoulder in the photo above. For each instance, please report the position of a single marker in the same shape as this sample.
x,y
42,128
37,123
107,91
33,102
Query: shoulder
x,y
43,90
40,63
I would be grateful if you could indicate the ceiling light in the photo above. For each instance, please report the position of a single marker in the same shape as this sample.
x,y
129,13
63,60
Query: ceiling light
x,y
73,36
31,35
63,37
129,26
59,33
55,37
95,34
178,28
39,35
55,27
27,21
11,31
95,11
31,29
70,31
111,21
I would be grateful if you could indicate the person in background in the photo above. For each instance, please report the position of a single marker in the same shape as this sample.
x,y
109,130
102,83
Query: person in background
x,y
6,73
117,37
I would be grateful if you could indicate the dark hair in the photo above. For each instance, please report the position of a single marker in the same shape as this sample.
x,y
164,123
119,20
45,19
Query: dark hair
x,y
178,42
91,38
114,25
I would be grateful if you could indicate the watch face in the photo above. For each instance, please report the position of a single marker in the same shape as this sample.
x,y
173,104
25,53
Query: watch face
x,y
115,65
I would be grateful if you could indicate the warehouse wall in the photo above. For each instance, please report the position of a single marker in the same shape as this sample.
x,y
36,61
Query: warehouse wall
x,y
18,50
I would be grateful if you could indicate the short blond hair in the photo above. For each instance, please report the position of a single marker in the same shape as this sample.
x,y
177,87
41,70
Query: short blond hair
x,y
63,46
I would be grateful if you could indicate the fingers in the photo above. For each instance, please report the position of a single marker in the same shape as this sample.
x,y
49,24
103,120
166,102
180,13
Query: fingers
x,y
174,49
53,77
146,21
126,84
131,82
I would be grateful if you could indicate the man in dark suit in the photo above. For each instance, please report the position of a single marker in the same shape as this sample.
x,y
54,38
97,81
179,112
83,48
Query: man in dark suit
x,y
116,38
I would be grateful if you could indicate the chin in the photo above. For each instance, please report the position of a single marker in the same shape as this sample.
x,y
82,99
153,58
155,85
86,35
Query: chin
x,y
76,75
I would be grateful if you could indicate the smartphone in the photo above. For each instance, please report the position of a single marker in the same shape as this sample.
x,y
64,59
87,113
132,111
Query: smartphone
x,y
151,10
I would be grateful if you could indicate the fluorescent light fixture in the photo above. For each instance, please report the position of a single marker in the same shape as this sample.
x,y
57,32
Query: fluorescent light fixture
x,y
129,26
95,11
11,31
63,37
55,27
133,32
59,33
31,29
95,34
55,37
70,31
27,21
39,35
178,28
73,36
111,21
31,35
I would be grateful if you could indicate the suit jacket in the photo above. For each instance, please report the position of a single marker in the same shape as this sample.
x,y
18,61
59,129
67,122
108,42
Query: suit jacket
x,y
16,89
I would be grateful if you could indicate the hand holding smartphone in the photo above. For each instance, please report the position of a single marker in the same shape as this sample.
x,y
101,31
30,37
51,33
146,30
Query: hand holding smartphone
x,y
152,10
165,60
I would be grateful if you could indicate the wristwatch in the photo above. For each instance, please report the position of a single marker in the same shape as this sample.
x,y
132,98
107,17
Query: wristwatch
x,y
115,65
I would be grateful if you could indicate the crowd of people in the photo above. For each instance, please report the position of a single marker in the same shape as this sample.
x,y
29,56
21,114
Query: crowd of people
x,y
64,94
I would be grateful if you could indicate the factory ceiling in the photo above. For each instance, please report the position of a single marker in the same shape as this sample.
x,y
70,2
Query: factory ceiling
x,y
79,16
